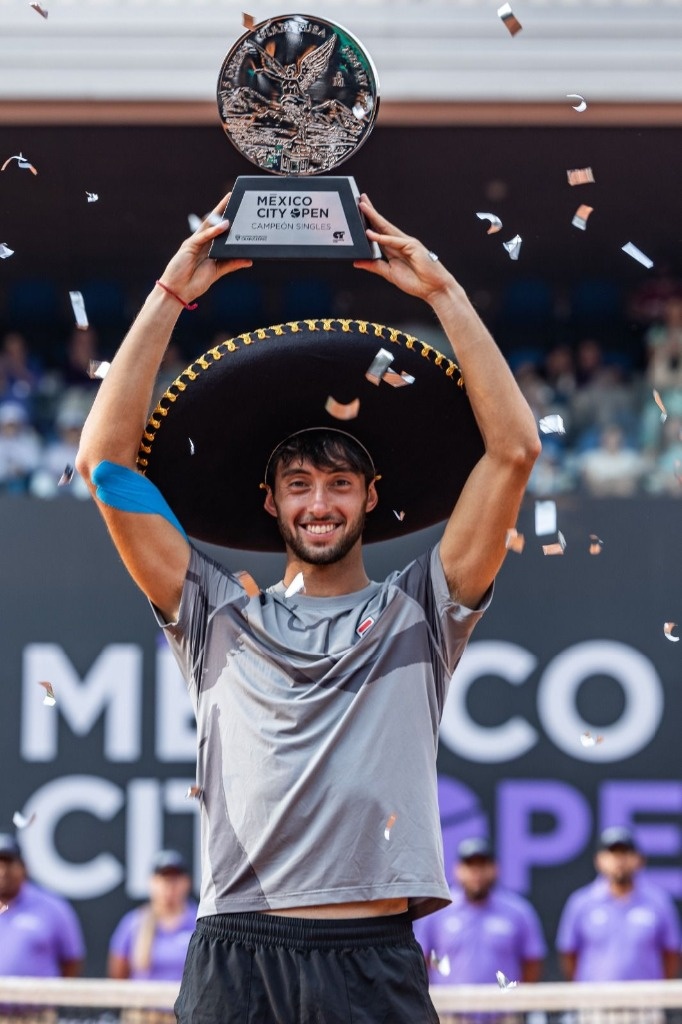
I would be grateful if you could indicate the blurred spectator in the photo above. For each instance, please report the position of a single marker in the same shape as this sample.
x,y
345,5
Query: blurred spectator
x,y
666,475
620,927
613,469
559,369
484,930
664,349
649,300
20,448
534,388
40,935
552,473
58,458
20,372
603,395
150,943
78,388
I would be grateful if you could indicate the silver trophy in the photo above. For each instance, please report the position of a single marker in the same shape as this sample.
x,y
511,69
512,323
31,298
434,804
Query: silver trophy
x,y
297,96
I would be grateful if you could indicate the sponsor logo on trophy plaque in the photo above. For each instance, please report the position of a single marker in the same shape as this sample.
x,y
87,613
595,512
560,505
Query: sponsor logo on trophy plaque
x,y
297,96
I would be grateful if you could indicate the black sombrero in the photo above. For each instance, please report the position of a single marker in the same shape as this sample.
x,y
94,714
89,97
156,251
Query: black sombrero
x,y
210,436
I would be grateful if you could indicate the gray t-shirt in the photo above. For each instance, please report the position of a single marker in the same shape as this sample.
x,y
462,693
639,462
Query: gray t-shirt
x,y
317,736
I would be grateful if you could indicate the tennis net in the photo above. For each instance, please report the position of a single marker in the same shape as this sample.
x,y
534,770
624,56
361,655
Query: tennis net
x,y
100,1001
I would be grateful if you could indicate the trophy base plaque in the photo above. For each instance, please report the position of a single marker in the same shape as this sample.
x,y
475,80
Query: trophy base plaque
x,y
294,218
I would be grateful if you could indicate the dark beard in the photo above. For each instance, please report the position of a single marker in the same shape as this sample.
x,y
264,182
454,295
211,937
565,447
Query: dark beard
x,y
323,556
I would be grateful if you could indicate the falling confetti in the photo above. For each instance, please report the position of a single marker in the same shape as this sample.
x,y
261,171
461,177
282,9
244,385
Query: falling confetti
x,y
194,222
22,162
513,247
588,740
511,22
297,585
340,411
399,515
49,699
193,793
440,963
66,477
3,908
495,222
389,825
248,20
580,176
379,366
398,380
503,981
5,251
92,196
659,402
637,254
580,216
78,307
596,544
557,548
247,581
581,104
360,111
545,518
552,424
514,541
98,369
668,628
21,822
191,446
41,10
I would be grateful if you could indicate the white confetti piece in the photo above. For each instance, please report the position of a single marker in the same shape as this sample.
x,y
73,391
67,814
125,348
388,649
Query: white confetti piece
x,y
193,793
98,369
440,963
340,411
588,740
296,586
92,197
581,104
659,402
553,424
66,477
399,515
5,251
194,222
580,176
389,825
580,216
511,22
49,699
495,222
379,366
503,981
359,111
78,307
545,518
668,628
631,249
22,163
191,446
20,822
513,247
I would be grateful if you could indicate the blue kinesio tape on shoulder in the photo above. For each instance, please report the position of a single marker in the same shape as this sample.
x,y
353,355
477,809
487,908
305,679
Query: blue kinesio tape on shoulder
x,y
128,491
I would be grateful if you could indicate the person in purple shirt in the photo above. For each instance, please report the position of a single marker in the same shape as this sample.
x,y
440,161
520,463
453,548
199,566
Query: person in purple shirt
x,y
150,943
40,934
620,927
485,929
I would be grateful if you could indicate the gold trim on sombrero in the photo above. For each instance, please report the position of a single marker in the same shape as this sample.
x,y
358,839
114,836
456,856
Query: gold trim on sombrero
x,y
213,355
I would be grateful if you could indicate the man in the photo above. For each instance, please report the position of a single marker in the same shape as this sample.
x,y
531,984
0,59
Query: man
x,y
317,710
40,935
485,929
620,927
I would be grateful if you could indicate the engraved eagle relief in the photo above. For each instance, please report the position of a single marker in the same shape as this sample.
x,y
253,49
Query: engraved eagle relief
x,y
282,119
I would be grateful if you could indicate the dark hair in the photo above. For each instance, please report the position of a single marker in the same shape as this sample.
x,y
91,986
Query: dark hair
x,y
325,449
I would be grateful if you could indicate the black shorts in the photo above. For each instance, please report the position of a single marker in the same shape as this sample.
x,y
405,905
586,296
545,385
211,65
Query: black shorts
x,y
262,969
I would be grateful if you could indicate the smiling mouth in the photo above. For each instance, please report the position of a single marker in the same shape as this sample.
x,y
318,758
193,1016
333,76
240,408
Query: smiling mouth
x,y
319,529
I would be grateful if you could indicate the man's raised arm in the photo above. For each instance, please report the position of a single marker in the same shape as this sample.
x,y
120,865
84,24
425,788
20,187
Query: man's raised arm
x,y
473,546
155,551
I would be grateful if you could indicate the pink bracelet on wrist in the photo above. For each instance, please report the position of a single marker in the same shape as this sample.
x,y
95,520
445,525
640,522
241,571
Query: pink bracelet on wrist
x,y
187,305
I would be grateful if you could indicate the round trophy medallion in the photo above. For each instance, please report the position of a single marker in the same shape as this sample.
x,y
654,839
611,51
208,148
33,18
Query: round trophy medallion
x,y
297,95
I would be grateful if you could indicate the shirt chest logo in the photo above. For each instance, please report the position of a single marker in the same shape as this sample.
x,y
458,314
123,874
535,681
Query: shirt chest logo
x,y
365,626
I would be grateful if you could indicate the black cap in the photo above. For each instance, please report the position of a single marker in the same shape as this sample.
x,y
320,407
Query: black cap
x,y
169,860
9,847
617,835
476,846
